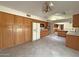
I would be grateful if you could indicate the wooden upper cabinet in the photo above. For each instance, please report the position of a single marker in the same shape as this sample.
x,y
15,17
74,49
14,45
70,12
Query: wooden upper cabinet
x,y
6,30
76,20
19,30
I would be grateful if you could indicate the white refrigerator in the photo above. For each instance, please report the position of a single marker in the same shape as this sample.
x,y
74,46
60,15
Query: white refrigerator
x,y
36,31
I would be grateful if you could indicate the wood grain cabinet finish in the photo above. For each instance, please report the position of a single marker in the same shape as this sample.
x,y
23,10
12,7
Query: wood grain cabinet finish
x,y
62,33
72,41
44,33
19,30
6,30
14,30
27,30
76,20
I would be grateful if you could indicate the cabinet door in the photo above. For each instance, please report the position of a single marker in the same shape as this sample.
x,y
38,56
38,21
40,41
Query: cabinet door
x,y
72,41
75,42
76,20
69,41
19,30
28,30
0,30
0,37
6,27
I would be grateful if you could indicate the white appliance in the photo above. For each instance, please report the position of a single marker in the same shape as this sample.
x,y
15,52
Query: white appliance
x,y
36,31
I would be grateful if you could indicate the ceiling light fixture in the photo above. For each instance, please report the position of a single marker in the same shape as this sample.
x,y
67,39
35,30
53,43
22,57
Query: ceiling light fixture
x,y
47,6
51,4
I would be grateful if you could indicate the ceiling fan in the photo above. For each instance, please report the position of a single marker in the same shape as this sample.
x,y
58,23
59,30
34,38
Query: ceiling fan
x,y
47,6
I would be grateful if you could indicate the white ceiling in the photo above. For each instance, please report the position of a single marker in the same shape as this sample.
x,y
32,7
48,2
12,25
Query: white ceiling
x,y
35,7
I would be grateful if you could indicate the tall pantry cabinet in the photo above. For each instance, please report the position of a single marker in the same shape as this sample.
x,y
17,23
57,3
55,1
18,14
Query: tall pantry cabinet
x,y
19,30
6,30
14,30
27,30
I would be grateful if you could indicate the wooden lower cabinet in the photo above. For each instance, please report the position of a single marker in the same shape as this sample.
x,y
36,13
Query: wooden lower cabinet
x,y
44,33
62,33
72,41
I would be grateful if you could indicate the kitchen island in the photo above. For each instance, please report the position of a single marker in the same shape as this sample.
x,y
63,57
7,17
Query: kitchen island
x,y
62,33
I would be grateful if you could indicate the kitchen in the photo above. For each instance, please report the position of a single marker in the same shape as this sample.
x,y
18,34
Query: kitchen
x,y
39,28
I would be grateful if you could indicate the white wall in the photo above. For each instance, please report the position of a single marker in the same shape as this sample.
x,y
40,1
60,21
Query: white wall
x,y
51,27
67,23
68,26
16,12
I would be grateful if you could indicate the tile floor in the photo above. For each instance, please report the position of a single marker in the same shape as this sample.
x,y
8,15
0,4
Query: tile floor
x,y
50,46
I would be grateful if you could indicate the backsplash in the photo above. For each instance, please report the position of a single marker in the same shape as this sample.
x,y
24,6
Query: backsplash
x,y
77,30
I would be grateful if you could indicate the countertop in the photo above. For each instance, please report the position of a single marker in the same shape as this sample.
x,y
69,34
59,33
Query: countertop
x,y
73,33
62,31
44,30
